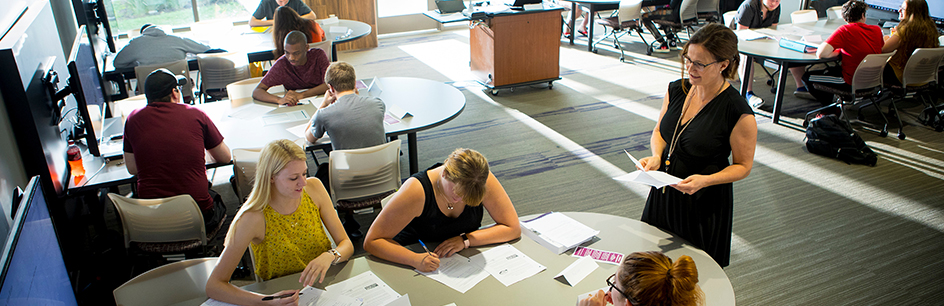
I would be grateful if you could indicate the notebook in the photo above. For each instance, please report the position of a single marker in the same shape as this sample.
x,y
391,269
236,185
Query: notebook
x,y
450,6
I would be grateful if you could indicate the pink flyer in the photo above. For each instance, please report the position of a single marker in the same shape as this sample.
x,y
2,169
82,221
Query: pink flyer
x,y
598,255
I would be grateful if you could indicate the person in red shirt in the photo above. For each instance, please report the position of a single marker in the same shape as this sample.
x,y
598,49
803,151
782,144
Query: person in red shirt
x,y
165,145
299,68
852,42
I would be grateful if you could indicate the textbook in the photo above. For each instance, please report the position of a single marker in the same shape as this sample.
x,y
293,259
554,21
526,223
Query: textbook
x,y
798,46
557,232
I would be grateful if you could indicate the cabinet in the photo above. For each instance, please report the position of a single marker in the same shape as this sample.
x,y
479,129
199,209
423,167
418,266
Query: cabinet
x,y
516,49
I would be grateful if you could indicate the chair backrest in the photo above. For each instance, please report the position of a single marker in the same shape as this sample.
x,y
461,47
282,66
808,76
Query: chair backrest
x,y
364,172
220,69
834,12
242,89
629,10
244,169
728,19
708,6
323,45
688,10
869,72
177,67
172,219
168,284
922,66
802,16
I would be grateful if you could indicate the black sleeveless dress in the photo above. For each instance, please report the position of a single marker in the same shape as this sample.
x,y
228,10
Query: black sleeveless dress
x,y
434,226
704,219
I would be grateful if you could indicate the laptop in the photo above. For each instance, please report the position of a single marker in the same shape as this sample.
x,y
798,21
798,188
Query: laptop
x,y
450,6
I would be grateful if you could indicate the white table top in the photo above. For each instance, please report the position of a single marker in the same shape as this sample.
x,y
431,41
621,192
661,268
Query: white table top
x,y
770,48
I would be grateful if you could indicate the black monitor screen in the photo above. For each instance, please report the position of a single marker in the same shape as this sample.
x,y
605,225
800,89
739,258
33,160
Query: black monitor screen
x,y
885,5
34,272
86,84
935,7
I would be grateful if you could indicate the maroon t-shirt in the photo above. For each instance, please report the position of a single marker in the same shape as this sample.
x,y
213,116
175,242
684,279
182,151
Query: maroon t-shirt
x,y
168,141
293,77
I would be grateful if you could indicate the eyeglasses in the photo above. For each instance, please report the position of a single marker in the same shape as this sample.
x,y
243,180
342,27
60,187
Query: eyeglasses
x,y
609,281
697,65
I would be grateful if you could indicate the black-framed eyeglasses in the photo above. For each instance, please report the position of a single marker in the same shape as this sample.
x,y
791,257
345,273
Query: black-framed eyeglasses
x,y
609,281
697,65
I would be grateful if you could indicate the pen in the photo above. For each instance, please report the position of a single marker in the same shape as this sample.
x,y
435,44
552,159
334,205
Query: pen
x,y
272,297
424,246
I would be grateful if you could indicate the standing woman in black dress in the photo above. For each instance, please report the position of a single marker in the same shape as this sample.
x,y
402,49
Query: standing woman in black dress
x,y
703,121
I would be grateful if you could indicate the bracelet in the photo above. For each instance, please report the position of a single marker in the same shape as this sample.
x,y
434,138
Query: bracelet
x,y
465,240
337,256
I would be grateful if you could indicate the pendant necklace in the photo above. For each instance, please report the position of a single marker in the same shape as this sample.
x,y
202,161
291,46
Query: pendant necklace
x,y
442,192
678,132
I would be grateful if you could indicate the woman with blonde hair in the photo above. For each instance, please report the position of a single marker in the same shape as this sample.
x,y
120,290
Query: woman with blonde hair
x,y
443,204
651,279
286,20
916,30
282,222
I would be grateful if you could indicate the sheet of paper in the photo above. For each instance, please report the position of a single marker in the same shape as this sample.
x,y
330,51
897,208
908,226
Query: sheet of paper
x,y
366,286
457,272
298,130
339,300
562,229
600,256
337,29
250,111
285,117
403,300
390,119
748,34
656,179
507,264
635,161
813,39
360,85
309,295
374,90
397,111
212,302
577,271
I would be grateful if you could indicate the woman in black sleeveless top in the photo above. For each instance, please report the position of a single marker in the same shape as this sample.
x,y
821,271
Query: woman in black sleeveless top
x,y
443,204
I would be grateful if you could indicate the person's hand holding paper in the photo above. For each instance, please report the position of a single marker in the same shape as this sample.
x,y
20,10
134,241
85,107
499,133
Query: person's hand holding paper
x,y
649,177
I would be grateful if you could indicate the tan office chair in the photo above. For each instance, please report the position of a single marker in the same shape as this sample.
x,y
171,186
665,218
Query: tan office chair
x,y
866,84
361,178
166,225
834,12
729,19
802,16
242,89
168,284
920,80
709,10
323,45
177,67
244,171
217,70
625,21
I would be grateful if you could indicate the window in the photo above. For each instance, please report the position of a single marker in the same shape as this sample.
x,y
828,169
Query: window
x,y
126,15
389,8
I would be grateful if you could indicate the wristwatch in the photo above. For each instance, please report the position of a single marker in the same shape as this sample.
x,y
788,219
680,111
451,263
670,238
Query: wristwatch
x,y
337,256
465,240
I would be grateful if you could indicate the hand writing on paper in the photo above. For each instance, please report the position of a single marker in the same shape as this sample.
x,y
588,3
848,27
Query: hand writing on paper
x,y
428,262
649,163
692,184
597,299
316,269
291,300
450,246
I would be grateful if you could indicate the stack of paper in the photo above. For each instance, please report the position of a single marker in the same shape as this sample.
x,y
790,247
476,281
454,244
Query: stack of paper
x,y
748,34
557,232
653,178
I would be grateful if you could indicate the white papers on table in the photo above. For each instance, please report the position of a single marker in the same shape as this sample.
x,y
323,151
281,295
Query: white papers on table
x,y
748,34
332,20
653,178
365,286
813,39
337,29
285,117
457,272
309,296
492,9
557,232
390,119
577,271
212,302
298,130
792,30
507,264
374,90
403,300
249,112
396,111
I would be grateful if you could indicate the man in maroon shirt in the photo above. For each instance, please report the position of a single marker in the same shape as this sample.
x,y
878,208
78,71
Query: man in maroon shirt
x,y
165,145
299,68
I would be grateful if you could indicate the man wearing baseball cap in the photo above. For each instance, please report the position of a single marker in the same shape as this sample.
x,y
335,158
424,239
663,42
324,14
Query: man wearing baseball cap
x,y
165,144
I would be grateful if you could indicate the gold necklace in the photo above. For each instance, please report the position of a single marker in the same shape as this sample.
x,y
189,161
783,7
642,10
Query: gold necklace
x,y
442,192
678,132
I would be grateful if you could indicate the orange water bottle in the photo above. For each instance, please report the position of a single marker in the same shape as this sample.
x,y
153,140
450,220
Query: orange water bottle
x,y
75,160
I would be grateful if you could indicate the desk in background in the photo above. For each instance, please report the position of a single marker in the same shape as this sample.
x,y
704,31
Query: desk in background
x,y
617,234
594,6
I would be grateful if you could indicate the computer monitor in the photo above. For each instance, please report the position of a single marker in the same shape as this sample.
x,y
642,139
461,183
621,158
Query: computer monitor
x,y
935,7
93,15
32,270
85,83
521,3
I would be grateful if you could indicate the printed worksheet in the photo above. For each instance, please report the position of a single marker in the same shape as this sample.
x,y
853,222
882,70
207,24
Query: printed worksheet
x,y
365,286
507,264
285,117
457,272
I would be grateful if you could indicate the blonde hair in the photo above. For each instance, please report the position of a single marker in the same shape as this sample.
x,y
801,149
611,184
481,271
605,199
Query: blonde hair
x,y
274,157
468,169
652,278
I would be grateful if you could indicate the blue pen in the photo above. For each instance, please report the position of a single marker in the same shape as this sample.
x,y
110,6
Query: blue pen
x,y
424,247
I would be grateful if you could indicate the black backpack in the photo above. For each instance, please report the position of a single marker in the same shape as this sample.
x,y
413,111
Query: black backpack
x,y
832,137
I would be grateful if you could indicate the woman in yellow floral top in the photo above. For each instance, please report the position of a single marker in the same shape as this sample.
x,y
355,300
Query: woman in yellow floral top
x,y
282,221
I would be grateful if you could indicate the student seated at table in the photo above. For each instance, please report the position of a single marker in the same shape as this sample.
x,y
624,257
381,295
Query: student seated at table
x,y
352,121
650,278
282,221
916,30
758,14
165,145
853,41
287,20
299,68
443,204
264,13
154,46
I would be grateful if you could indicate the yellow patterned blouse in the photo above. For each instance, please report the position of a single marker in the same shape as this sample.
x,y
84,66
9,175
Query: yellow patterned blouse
x,y
291,241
